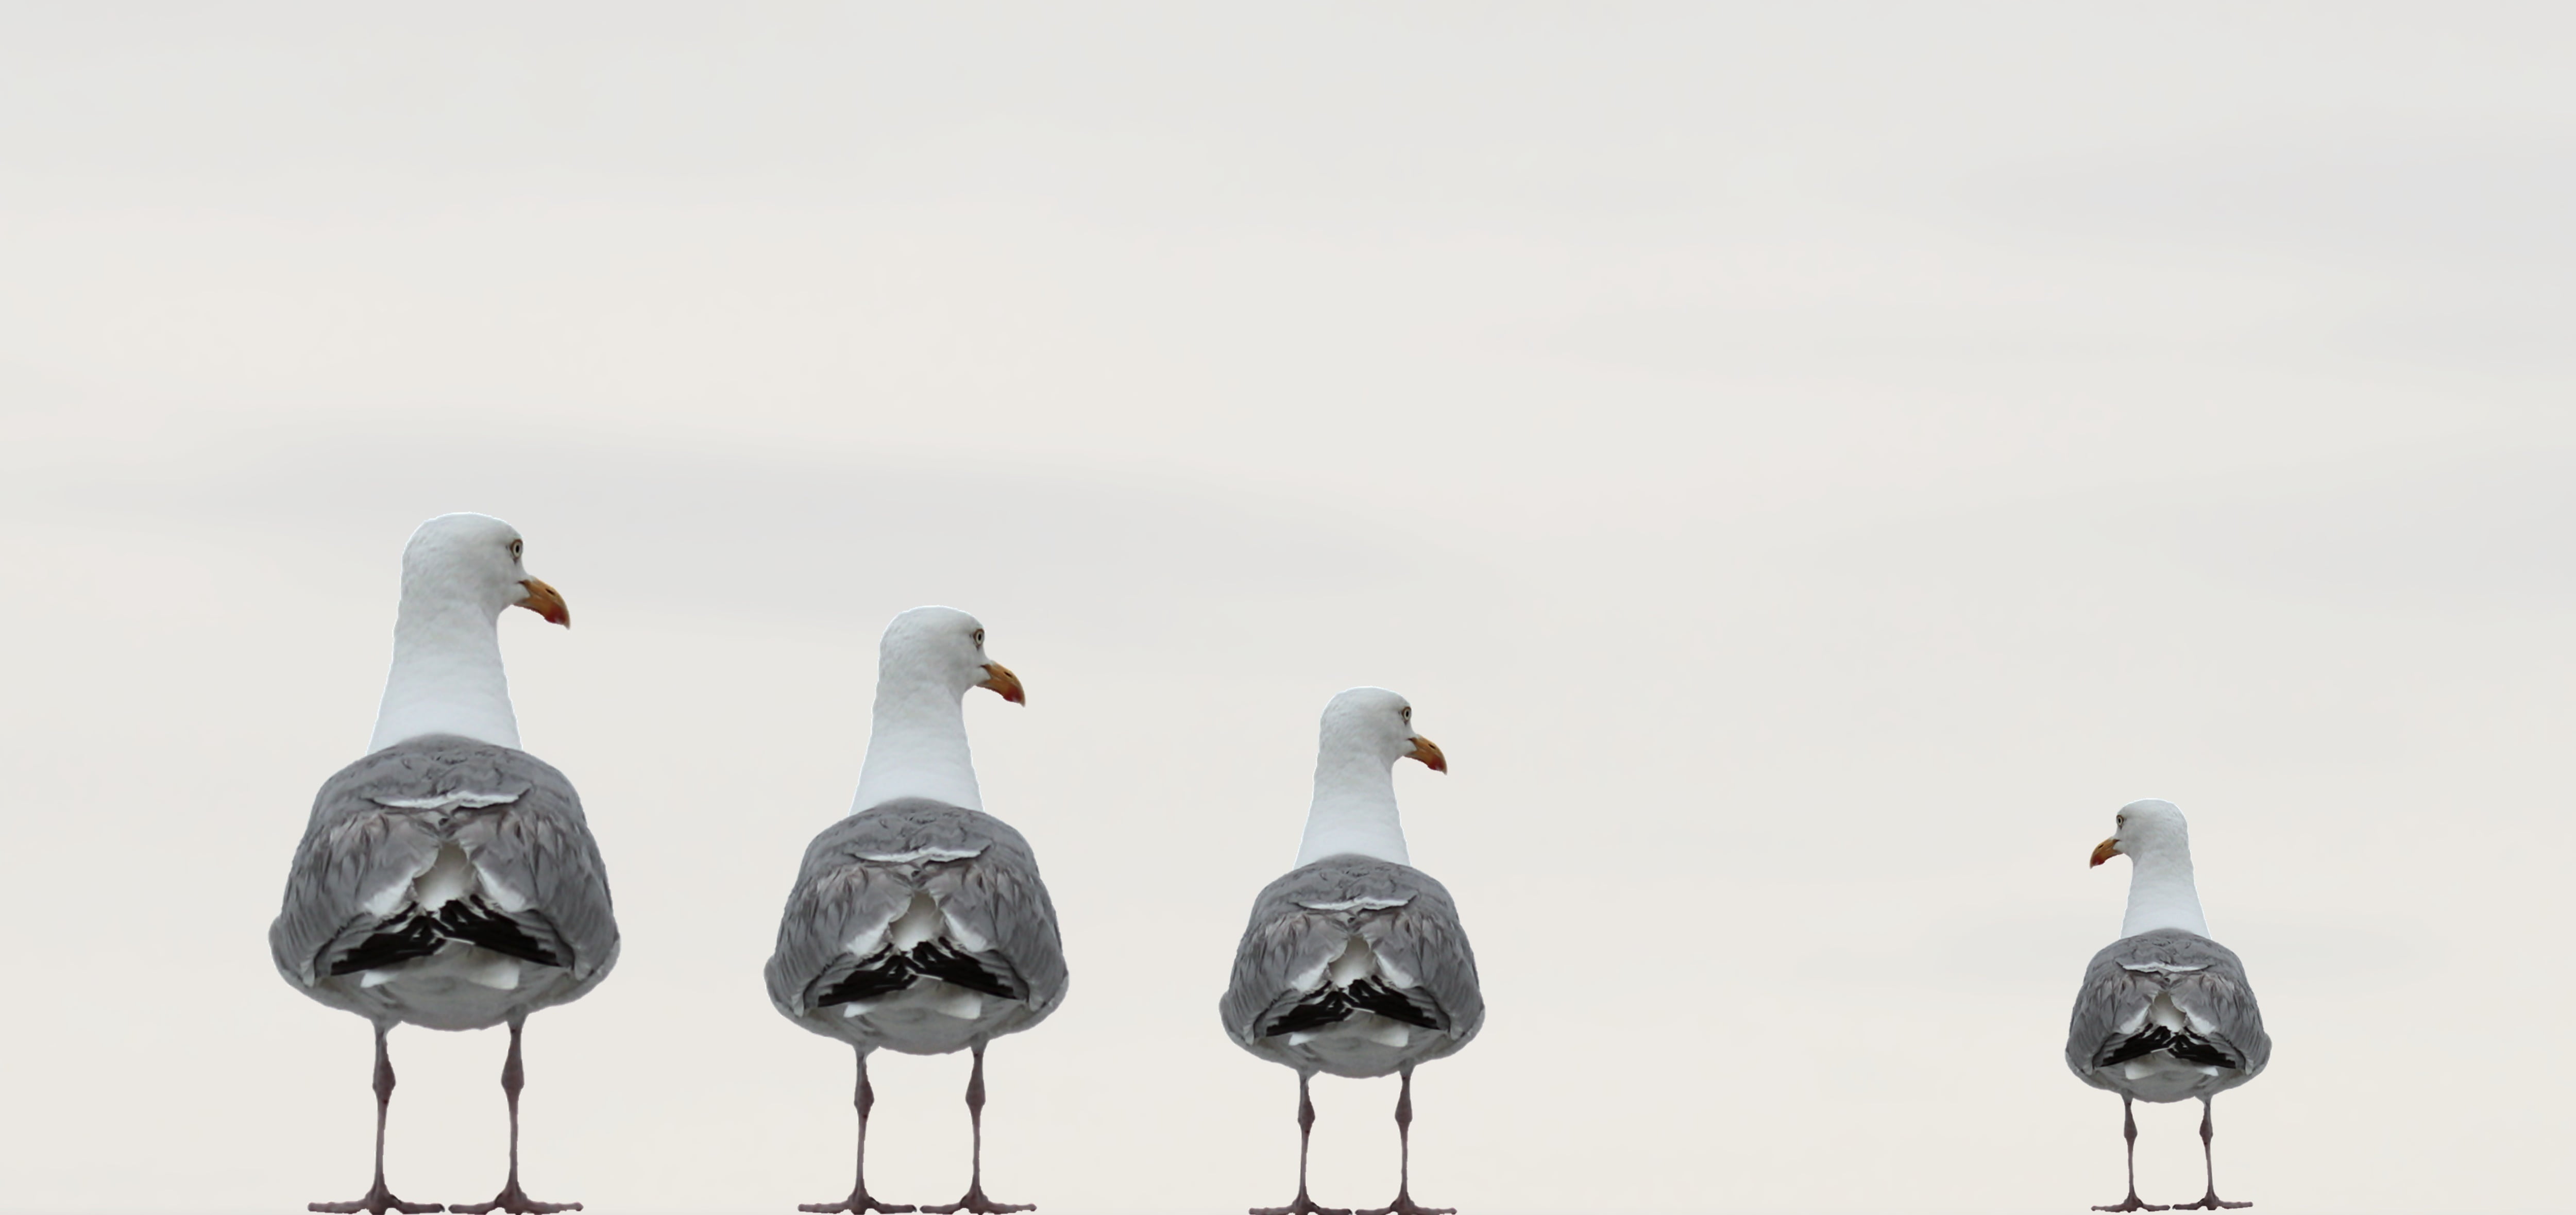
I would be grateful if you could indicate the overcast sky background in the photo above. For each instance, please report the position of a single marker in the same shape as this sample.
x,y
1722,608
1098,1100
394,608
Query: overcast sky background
x,y
1808,465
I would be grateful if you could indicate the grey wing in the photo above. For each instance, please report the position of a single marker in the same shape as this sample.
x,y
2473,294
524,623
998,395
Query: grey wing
x,y
539,848
2221,1003
834,902
1282,956
353,851
848,890
1302,921
1425,939
999,897
2107,999
2205,978
379,823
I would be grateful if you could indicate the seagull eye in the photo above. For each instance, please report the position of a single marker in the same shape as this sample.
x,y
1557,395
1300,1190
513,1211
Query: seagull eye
x,y
1406,712
979,637
517,547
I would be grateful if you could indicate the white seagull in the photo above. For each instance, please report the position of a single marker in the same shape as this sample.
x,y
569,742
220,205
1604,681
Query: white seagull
x,y
918,923
1354,962
448,879
2164,1013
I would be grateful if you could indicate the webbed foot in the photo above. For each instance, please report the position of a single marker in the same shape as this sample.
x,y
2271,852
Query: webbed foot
x,y
515,1201
378,1201
1303,1206
1404,1205
976,1203
860,1203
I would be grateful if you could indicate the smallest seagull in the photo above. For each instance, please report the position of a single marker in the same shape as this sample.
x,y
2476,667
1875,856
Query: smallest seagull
x,y
2164,1013
1354,962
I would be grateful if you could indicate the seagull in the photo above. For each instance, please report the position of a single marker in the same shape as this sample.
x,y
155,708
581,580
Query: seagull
x,y
1354,962
447,879
918,923
2164,1013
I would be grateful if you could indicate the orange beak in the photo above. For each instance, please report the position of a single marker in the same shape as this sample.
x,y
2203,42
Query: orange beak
x,y
1000,679
2105,851
545,601
1429,753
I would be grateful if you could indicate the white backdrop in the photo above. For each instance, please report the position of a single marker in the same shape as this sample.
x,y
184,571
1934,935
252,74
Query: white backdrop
x,y
1807,468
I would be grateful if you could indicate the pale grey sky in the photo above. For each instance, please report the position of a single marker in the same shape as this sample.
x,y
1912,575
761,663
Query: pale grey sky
x,y
1808,465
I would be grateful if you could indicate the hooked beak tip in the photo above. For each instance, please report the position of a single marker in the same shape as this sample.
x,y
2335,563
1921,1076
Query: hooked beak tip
x,y
999,678
545,601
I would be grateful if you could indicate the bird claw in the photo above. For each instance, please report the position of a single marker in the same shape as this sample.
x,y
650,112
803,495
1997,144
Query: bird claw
x,y
860,1203
515,1201
2134,1205
977,1204
1404,1205
1303,1206
379,1201
2211,1202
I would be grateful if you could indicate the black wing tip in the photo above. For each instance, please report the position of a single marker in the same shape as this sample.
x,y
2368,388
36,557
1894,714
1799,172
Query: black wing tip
x,y
416,938
1312,1014
1391,1004
868,982
940,962
469,921
422,934
2187,1047
1334,1005
890,972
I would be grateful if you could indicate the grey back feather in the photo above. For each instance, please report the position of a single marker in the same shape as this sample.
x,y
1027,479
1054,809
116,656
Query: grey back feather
x,y
531,837
2205,978
1302,921
861,873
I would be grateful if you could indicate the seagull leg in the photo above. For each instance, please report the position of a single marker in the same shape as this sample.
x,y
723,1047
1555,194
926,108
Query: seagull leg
x,y
2209,1201
975,1202
1404,1204
860,1202
379,1200
1305,1138
2129,1128
511,1198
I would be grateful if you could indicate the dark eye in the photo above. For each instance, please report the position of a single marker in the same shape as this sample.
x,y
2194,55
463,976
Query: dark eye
x,y
1406,712
979,637
517,547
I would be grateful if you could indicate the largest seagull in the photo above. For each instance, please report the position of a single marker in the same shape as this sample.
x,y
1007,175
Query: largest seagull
x,y
918,923
2165,1013
447,879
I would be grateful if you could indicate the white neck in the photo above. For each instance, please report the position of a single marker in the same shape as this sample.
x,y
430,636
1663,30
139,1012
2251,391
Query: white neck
x,y
1354,808
446,676
2161,893
918,745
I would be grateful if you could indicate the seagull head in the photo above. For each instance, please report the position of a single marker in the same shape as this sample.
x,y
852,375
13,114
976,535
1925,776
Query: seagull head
x,y
2149,826
1374,720
480,559
946,646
